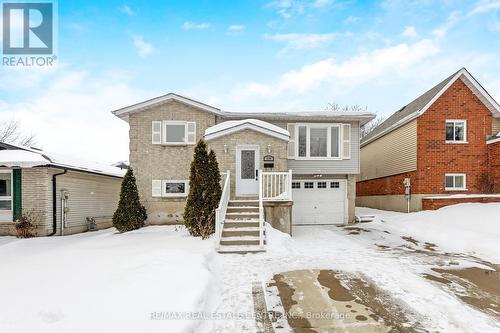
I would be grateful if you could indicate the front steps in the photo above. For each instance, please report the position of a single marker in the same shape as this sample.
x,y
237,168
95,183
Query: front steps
x,y
240,233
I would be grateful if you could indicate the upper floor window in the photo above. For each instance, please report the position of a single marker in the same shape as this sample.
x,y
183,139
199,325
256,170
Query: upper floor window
x,y
320,141
173,132
456,131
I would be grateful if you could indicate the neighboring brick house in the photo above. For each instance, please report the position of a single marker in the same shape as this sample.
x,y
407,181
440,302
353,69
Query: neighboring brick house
x,y
443,142
314,155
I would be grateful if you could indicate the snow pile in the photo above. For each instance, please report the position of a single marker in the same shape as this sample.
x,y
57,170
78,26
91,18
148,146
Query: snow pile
x,y
104,281
278,242
21,158
472,228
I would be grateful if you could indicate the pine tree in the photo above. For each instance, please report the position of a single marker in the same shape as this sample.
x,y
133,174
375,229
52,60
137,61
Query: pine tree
x,y
130,214
196,213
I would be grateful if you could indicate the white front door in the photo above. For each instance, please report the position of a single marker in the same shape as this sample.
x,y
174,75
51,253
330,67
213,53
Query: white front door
x,y
247,166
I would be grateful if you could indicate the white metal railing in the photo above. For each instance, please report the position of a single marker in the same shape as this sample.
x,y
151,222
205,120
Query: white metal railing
x,y
276,186
220,212
261,210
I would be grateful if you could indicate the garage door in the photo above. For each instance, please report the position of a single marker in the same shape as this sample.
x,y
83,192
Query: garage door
x,y
319,202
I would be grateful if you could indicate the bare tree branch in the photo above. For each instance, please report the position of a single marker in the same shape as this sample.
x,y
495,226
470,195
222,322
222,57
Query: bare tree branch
x,y
10,132
335,107
370,126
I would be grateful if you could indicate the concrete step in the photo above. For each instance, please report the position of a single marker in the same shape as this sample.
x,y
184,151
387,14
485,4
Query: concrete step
x,y
240,232
241,223
242,209
240,249
240,240
242,215
252,203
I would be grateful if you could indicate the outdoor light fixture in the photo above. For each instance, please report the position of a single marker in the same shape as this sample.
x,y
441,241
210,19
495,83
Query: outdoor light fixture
x,y
269,149
225,148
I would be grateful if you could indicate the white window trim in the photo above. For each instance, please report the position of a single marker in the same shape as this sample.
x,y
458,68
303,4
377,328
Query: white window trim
x,y
8,198
175,195
328,126
455,188
165,123
455,121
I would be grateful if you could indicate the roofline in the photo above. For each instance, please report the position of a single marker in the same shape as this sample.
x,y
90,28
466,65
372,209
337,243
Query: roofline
x,y
362,117
61,166
125,111
415,115
243,126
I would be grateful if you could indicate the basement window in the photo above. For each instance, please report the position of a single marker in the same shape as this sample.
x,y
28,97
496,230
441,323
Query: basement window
x,y
455,182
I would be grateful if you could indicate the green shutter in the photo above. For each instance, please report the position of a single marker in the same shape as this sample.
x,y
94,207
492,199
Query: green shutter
x,y
17,196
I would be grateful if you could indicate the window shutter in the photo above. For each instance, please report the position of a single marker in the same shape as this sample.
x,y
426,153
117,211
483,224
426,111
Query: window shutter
x,y
346,141
156,188
17,202
291,143
156,132
191,133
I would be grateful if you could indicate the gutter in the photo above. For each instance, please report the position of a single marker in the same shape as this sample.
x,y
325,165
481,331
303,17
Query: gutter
x,y
54,202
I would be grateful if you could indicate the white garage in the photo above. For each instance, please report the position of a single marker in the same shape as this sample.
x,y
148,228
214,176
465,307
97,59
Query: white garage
x,y
319,202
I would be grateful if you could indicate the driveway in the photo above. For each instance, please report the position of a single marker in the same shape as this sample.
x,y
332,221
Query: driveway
x,y
358,279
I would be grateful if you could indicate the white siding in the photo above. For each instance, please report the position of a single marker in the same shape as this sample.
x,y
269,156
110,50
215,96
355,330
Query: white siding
x,y
89,196
345,166
392,154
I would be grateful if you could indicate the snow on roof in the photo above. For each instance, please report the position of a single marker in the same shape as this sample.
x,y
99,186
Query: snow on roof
x,y
232,126
21,158
27,157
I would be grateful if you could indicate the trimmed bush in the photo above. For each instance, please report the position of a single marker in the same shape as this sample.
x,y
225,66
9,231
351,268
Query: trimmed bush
x,y
130,214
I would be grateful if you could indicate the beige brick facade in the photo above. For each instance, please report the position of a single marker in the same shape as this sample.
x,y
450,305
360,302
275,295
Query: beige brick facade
x,y
161,161
227,161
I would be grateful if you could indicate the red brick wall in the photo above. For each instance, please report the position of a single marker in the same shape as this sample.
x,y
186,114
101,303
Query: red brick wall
x,y
433,204
494,164
435,157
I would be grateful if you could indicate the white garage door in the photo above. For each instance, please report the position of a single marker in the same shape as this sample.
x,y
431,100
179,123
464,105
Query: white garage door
x,y
319,202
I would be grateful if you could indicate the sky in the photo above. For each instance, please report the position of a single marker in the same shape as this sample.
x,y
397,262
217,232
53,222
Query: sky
x,y
284,55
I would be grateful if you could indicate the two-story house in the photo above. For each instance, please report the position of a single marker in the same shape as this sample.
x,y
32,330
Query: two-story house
x,y
300,167
440,149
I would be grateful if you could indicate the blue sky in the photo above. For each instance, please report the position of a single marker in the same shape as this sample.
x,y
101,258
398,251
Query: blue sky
x,y
243,56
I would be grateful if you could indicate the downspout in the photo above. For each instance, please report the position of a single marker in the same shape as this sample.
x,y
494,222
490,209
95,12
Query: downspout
x,y
54,202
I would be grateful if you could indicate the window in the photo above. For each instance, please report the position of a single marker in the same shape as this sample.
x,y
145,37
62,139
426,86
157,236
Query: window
x,y
456,131
173,132
302,141
455,182
295,184
5,190
323,141
308,185
334,185
321,185
317,142
170,188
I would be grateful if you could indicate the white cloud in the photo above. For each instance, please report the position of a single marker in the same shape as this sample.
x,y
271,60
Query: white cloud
x,y
358,69
451,21
236,28
410,31
127,10
70,114
188,25
351,19
286,8
485,6
322,3
142,46
300,41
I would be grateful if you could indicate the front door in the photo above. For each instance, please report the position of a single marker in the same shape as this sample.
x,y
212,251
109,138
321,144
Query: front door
x,y
247,166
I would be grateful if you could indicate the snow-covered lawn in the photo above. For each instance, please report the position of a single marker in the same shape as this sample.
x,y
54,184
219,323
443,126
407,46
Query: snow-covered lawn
x,y
109,282
103,281
471,228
